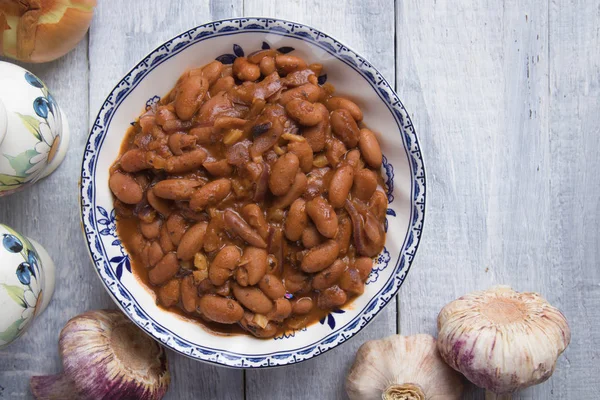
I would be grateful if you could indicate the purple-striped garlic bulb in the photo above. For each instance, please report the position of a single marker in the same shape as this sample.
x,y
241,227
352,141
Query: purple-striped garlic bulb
x,y
105,356
402,368
502,340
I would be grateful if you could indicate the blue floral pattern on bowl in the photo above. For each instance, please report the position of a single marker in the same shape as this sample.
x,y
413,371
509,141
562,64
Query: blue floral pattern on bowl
x,y
108,254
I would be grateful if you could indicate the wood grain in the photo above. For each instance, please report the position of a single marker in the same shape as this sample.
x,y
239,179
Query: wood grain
x,y
504,97
368,28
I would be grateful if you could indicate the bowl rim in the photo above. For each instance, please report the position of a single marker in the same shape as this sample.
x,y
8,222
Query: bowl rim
x,y
413,152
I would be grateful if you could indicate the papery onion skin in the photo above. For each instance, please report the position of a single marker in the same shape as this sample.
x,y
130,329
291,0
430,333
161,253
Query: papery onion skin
x,y
105,356
42,30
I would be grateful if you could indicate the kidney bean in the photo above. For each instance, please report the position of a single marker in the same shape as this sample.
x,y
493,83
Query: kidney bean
x,y
352,282
255,217
283,174
282,308
134,160
244,70
189,96
222,85
287,63
158,204
311,237
353,158
155,254
212,238
272,286
165,239
189,294
254,263
323,216
212,193
304,152
175,189
320,257
220,309
125,188
302,305
164,114
205,135
257,56
168,295
217,106
344,234
192,241
178,142
378,205
164,270
335,151
363,265
223,265
329,276
186,162
296,220
219,168
338,102
253,299
344,126
223,123
224,290
370,149
267,66
304,112
331,298
236,225
144,254
296,281
340,185
176,227
212,71
299,78
373,229
298,187
365,184
308,92
151,230
317,135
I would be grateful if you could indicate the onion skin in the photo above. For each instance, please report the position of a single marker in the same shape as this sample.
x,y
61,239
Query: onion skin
x,y
43,30
105,356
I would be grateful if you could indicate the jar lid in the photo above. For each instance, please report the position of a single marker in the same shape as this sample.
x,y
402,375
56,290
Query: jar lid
x,y
3,121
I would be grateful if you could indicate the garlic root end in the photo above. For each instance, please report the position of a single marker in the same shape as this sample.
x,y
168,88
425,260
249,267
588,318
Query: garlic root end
x,y
406,391
53,387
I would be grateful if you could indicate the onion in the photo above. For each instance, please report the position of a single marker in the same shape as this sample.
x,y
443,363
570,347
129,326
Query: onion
x,y
105,356
42,30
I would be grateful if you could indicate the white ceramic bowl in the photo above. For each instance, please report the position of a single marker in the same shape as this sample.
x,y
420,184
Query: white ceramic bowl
x,y
354,77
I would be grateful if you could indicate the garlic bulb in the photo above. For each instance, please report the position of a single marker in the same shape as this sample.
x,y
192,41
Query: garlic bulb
x,y
105,356
402,368
42,30
502,340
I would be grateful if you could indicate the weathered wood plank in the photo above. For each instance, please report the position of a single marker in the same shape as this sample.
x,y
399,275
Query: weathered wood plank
x,y
367,27
511,198
49,213
124,32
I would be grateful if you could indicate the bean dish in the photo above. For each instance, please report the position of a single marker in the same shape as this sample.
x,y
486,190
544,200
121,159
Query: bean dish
x,y
250,198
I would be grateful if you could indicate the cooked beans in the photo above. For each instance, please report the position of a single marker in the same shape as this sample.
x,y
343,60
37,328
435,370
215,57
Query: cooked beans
x,y
251,195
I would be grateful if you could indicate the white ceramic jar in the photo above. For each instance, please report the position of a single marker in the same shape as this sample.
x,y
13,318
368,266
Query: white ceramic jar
x,y
34,134
26,283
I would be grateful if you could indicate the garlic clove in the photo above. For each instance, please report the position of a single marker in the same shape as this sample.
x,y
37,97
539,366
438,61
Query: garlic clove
x,y
502,340
105,356
402,368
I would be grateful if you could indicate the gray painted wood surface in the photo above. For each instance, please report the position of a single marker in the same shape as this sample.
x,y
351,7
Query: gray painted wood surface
x,y
505,97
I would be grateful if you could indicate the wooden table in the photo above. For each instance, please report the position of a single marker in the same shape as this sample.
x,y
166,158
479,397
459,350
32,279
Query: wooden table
x,y
505,97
